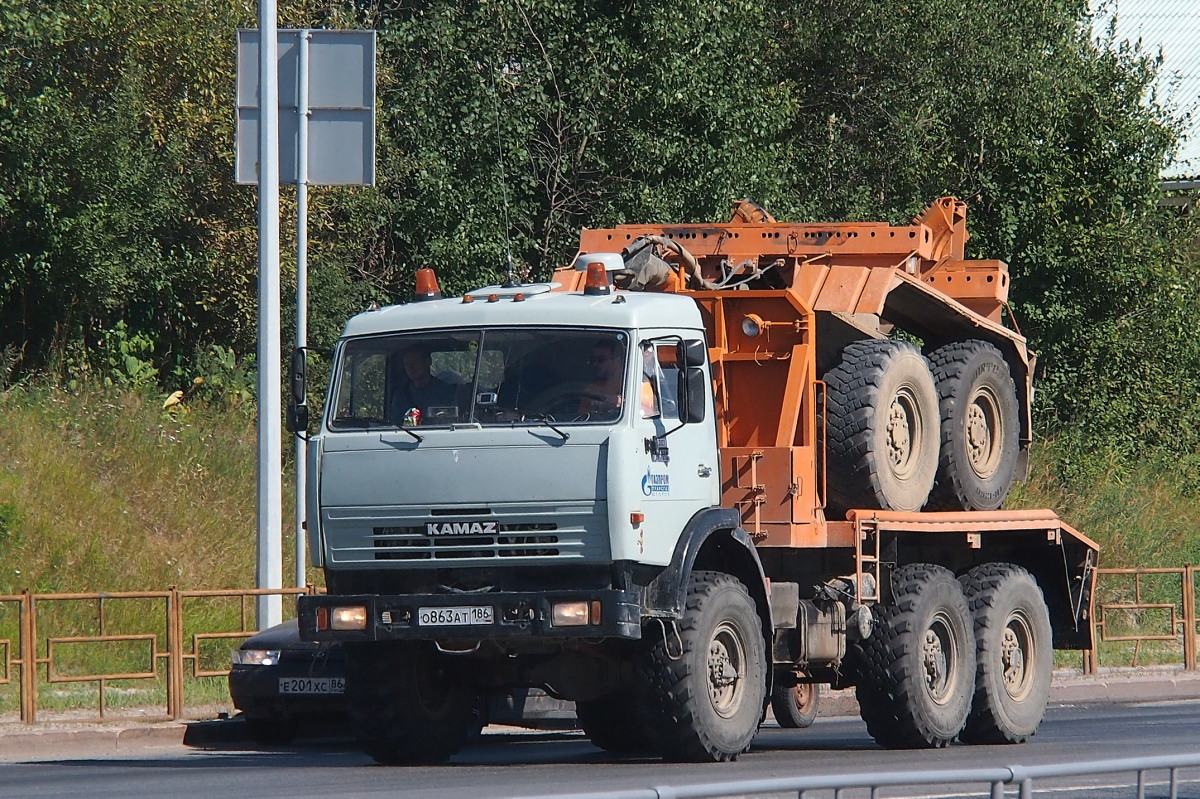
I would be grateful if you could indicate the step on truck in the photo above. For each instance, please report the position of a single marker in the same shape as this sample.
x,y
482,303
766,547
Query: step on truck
x,y
704,469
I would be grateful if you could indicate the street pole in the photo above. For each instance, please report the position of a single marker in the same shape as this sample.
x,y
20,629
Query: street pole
x,y
301,281
269,572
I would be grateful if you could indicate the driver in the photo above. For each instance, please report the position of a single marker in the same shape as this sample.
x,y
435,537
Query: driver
x,y
604,393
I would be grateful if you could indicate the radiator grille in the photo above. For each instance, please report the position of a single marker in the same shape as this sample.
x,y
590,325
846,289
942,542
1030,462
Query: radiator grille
x,y
518,540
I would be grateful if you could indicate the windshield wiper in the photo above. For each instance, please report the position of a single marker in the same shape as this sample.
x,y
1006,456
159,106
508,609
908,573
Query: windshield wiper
x,y
416,437
549,422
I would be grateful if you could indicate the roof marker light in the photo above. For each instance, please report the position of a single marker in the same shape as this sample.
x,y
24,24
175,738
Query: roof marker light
x,y
596,281
468,298
427,285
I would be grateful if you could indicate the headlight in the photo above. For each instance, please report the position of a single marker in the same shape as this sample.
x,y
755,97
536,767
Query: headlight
x,y
569,614
255,657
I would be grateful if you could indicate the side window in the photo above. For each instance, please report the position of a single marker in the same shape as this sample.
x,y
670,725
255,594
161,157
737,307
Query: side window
x,y
659,376
666,359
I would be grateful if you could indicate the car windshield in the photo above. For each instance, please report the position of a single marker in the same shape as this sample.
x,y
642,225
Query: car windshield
x,y
491,377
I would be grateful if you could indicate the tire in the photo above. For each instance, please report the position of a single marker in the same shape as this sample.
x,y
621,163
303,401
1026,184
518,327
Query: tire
x,y
916,671
882,423
615,723
705,703
795,706
1014,654
408,704
271,732
981,427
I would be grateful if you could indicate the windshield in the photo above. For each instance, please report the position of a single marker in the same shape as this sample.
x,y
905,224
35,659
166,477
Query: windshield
x,y
492,377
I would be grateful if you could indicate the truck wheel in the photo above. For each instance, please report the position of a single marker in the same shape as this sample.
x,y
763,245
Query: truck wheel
x,y
1014,652
795,706
981,427
882,427
615,723
916,671
408,705
707,698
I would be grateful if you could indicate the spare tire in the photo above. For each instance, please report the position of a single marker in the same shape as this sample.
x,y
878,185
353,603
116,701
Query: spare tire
x,y
882,428
980,427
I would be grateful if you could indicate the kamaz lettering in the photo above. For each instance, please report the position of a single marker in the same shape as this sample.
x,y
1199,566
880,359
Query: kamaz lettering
x,y
461,528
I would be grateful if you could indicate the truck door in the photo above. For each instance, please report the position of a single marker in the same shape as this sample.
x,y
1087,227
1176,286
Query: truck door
x,y
679,473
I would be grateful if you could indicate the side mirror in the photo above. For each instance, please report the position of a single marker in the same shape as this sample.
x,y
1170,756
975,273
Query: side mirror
x,y
298,376
297,418
692,352
691,393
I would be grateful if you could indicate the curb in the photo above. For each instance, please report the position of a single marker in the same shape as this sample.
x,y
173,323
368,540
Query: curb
x,y
93,739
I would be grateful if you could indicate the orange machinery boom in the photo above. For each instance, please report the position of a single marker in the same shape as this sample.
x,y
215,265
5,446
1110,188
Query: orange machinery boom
x,y
780,301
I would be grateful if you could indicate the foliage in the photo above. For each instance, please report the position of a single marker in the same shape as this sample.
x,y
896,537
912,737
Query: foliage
x,y
225,380
506,124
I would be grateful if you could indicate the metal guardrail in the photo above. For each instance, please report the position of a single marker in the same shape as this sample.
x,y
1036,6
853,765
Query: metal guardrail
x,y
995,780
162,645
146,631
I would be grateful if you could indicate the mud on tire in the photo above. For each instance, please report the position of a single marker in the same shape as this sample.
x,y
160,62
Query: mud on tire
x,y
882,427
1014,651
407,704
706,701
980,427
916,671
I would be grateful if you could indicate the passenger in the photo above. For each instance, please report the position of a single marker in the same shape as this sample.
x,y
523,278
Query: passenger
x,y
650,381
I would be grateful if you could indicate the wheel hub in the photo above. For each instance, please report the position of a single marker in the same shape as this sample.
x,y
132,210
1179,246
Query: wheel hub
x,y
1015,648
984,433
725,659
939,659
903,432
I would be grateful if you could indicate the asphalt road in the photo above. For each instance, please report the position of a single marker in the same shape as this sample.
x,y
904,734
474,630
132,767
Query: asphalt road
x,y
506,763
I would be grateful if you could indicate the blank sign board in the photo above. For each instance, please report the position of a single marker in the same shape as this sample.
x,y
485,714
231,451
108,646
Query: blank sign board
x,y
341,103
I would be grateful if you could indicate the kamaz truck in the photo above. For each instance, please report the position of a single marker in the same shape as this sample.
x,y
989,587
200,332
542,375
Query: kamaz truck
x,y
704,466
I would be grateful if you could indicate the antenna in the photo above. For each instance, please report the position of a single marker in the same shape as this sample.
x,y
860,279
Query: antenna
x,y
508,273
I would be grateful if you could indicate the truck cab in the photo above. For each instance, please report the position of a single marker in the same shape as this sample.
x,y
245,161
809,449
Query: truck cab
x,y
555,451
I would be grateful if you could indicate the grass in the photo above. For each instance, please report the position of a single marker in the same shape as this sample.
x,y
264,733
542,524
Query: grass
x,y
1143,512
106,490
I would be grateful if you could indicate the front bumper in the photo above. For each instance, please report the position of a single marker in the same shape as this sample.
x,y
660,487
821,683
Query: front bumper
x,y
515,614
255,691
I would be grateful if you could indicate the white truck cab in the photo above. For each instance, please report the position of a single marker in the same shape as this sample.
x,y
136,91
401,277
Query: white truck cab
x,y
516,437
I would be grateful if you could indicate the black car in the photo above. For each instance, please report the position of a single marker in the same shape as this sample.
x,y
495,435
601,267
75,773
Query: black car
x,y
283,684
280,682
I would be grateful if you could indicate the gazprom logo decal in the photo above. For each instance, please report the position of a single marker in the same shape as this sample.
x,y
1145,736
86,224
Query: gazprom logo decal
x,y
656,485
461,528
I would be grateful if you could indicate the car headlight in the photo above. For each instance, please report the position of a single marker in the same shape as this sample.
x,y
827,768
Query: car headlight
x,y
255,657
